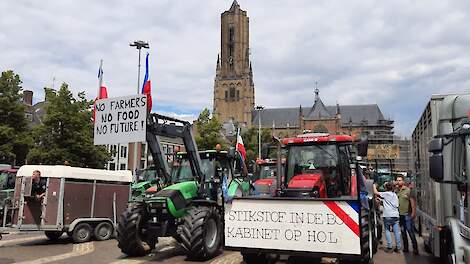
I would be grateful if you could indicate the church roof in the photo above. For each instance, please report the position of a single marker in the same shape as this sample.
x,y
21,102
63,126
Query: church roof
x,y
319,111
369,115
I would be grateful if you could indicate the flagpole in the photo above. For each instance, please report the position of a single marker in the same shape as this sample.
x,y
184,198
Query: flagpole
x,y
100,77
139,44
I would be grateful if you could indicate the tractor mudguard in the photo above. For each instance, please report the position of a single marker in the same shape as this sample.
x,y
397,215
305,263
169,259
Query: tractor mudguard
x,y
175,196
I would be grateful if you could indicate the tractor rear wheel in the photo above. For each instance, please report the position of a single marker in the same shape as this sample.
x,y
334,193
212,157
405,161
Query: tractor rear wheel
x,y
130,234
201,232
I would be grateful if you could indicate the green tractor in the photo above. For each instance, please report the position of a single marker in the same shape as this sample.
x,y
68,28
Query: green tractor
x,y
7,189
185,203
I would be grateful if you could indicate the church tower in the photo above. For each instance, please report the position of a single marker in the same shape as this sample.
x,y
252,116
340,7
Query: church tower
x,y
234,90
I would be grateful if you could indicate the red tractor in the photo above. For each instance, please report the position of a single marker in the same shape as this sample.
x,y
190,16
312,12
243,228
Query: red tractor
x,y
319,166
317,208
265,172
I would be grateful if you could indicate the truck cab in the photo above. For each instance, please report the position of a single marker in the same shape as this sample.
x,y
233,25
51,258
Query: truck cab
x,y
447,236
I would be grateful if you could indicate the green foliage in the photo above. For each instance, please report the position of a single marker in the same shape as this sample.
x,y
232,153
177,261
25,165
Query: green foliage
x,y
208,132
250,141
67,133
14,138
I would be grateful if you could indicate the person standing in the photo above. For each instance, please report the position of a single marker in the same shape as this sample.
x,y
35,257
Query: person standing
x,y
38,188
407,210
390,216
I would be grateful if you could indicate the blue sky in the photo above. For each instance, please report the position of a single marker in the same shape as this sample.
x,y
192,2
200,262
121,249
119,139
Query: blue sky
x,y
393,53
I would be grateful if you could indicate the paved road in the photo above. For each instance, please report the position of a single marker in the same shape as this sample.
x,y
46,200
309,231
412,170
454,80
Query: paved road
x,y
35,248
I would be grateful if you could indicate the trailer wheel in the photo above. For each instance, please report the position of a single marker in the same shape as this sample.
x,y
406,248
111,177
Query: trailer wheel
x,y
201,232
103,231
130,233
81,233
53,235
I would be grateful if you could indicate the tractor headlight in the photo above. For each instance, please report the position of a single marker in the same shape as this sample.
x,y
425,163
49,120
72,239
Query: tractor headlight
x,y
315,192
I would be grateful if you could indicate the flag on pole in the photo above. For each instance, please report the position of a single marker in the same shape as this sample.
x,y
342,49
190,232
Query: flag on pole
x,y
240,147
146,87
102,91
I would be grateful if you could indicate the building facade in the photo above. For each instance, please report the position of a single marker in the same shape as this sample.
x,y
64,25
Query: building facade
x,y
234,90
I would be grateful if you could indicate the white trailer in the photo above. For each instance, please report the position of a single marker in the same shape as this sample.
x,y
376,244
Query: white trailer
x,y
440,145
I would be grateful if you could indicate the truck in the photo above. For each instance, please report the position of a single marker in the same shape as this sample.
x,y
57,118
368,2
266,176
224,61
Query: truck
x,y
185,202
441,151
319,208
82,202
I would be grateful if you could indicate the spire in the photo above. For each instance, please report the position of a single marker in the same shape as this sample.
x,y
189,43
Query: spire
x,y
234,6
317,91
218,61
318,110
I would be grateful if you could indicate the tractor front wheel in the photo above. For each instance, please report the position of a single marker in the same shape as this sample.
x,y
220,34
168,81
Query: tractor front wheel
x,y
130,234
201,232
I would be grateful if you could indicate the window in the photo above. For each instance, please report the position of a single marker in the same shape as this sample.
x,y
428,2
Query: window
x,y
122,166
226,95
459,173
231,33
112,166
123,151
232,93
143,150
325,166
113,150
238,95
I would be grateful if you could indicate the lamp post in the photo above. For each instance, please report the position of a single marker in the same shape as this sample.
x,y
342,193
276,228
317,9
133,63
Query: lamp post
x,y
259,108
139,44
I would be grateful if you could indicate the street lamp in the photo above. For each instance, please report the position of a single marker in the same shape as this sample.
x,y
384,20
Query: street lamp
x,y
259,108
139,44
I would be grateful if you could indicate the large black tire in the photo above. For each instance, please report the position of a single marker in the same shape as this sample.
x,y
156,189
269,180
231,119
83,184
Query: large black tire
x,y
81,233
53,235
103,231
131,239
201,232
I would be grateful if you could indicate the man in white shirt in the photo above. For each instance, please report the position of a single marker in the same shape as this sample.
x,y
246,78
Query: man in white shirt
x,y
390,216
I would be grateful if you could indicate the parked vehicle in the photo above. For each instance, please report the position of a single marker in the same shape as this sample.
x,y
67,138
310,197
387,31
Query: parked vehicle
x,y
441,148
185,203
7,188
79,201
265,175
319,209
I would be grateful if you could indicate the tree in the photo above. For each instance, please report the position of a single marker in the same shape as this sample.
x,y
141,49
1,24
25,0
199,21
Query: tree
x,y
250,141
14,137
67,133
208,131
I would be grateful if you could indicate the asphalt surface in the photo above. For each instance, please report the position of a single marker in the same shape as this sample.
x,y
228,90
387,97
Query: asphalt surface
x,y
35,248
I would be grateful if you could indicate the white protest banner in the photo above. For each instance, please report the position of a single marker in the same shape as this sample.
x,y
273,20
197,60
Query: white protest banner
x,y
120,120
296,225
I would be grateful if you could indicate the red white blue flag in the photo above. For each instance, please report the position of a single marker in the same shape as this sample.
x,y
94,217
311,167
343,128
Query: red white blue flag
x,y
146,86
102,91
240,147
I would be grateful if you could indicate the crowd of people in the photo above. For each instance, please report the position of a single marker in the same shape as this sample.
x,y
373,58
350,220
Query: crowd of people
x,y
399,211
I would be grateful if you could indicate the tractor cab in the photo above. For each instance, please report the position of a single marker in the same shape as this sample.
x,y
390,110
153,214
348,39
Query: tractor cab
x,y
319,166
265,176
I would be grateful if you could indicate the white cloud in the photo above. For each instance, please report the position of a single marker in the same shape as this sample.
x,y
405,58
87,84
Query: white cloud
x,y
394,53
